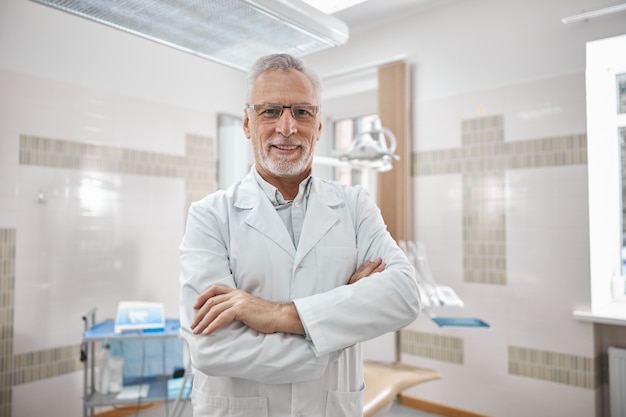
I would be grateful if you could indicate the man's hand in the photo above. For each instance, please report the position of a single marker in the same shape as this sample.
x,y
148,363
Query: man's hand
x,y
220,305
367,269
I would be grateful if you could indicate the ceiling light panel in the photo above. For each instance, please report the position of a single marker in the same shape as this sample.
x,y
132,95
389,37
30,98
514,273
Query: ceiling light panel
x,y
231,32
332,6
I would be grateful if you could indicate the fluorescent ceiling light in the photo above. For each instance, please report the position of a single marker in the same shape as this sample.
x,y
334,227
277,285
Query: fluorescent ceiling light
x,y
332,6
231,32
594,13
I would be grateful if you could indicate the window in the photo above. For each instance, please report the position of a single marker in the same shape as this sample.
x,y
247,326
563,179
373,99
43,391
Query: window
x,y
235,154
620,83
620,110
606,157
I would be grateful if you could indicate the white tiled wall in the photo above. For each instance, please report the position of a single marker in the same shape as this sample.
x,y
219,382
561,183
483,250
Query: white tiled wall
x,y
97,238
94,188
535,359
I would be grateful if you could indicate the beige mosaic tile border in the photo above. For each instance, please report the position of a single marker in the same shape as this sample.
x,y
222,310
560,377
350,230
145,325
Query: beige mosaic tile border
x,y
201,169
197,167
87,157
562,368
532,153
433,346
483,159
42,364
7,295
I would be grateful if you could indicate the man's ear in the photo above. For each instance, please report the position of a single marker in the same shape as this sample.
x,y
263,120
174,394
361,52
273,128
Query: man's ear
x,y
246,121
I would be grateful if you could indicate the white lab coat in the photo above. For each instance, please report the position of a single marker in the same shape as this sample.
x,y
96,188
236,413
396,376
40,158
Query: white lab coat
x,y
236,238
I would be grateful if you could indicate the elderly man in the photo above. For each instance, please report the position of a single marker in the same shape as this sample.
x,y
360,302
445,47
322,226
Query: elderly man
x,y
283,274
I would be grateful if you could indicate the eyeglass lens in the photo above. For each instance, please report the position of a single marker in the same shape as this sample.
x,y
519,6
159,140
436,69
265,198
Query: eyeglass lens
x,y
300,112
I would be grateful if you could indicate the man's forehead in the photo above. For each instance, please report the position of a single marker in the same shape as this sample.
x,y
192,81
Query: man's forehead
x,y
280,83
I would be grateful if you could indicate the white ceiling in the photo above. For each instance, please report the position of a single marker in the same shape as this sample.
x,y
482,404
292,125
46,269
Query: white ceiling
x,y
376,11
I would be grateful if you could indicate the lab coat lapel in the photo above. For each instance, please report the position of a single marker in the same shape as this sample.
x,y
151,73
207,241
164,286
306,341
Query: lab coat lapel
x,y
319,219
261,214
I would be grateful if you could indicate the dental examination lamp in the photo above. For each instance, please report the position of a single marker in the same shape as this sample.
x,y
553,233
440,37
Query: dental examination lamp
x,y
373,149
434,295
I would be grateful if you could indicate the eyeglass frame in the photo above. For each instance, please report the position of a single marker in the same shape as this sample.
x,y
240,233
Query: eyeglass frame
x,y
307,107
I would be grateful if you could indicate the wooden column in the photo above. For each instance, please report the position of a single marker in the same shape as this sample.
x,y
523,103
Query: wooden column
x,y
394,187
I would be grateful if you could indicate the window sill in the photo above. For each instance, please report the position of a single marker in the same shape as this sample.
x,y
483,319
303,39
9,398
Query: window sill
x,y
614,314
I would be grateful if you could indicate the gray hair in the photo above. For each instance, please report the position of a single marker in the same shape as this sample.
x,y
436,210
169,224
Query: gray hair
x,y
284,62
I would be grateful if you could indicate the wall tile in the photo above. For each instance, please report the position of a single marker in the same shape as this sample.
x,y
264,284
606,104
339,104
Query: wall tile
x,y
561,368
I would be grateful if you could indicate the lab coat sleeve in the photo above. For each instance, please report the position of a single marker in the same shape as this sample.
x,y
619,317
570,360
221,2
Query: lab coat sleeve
x,y
236,350
375,305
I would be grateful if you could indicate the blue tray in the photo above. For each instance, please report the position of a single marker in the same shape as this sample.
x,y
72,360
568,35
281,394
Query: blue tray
x,y
459,322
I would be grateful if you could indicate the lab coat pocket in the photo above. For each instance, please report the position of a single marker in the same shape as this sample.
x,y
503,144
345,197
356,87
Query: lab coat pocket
x,y
337,262
206,405
345,404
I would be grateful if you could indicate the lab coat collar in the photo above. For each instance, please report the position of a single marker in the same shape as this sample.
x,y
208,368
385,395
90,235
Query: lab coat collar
x,y
249,193
320,215
261,214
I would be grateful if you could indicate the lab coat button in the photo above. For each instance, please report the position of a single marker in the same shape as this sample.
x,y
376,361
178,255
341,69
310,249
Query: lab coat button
x,y
297,205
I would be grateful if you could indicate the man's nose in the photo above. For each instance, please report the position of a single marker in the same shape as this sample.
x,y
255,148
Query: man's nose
x,y
286,124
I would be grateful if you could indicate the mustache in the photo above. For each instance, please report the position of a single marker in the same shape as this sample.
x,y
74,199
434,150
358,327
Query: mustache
x,y
284,140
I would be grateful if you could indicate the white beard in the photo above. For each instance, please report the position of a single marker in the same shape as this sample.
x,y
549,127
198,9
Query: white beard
x,y
284,167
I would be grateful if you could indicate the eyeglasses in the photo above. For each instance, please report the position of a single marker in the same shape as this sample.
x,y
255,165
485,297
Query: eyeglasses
x,y
272,112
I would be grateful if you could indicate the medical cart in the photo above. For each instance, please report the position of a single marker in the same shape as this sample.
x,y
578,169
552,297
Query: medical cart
x,y
159,386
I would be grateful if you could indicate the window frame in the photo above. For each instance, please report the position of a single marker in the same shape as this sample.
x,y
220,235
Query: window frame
x,y
607,289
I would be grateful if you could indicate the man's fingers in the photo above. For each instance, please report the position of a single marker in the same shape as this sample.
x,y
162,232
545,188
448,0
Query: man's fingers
x,y
208,294
367,269
212,315
222,315
372,266
202,311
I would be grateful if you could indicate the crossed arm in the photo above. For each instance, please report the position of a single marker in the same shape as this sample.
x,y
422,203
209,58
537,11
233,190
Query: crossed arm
x,y
220,305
